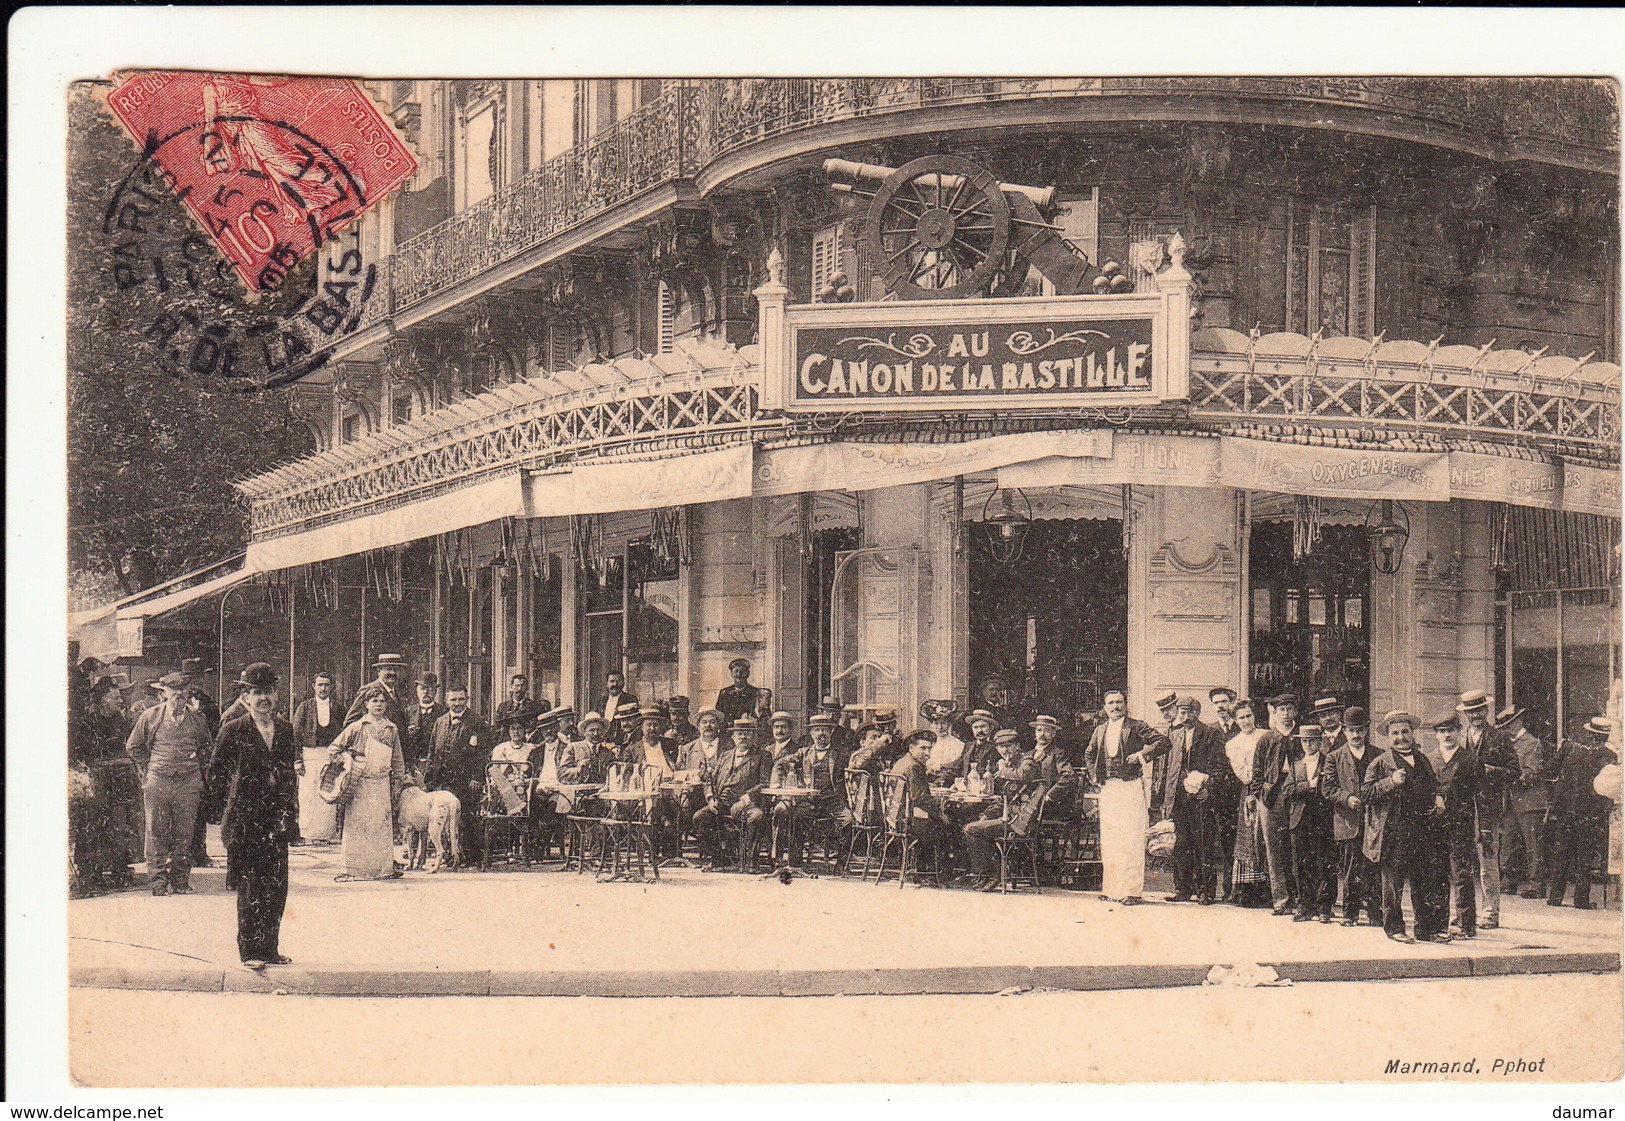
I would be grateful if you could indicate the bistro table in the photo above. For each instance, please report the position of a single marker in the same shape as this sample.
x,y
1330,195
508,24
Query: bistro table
x,y
679,790
790,796
617,825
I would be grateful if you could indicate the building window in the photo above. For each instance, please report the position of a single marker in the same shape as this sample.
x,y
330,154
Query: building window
x,y
482,155
1330,269
400,408
350,428
828,248
665,319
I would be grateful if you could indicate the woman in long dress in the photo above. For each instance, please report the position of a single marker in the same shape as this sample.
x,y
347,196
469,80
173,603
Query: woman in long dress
x,y
1251,871
374,743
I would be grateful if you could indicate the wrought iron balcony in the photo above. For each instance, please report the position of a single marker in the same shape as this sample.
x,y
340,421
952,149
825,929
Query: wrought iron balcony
x,y
691,127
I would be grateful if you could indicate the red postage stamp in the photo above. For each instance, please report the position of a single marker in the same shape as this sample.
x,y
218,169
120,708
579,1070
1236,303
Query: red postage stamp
x,y
271,168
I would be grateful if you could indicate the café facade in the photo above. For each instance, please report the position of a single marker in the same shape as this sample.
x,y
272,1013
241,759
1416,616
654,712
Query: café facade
x,y
887,401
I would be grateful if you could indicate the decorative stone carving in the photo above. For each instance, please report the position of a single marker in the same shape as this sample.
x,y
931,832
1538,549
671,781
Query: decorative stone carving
x,y
1217,559
1192,600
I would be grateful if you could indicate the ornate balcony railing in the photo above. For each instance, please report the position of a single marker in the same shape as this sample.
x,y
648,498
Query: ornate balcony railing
x,y
1369,393
692,126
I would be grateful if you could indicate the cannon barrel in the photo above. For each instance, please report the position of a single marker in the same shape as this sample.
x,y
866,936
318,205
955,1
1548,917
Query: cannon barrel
x,y
1041,197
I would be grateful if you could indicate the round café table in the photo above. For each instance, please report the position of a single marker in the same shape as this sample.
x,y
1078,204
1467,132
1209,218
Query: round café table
x,y
678,791
790,796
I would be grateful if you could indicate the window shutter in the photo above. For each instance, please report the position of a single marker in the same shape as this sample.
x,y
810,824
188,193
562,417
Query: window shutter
x,y
826,257
666,323
1363,273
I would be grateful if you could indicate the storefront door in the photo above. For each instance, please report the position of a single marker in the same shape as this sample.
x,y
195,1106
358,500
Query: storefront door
x,y
1052,619
1310,631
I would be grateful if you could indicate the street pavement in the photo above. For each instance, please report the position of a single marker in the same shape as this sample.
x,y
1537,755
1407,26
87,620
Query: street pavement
x,y
1310,1032
550,932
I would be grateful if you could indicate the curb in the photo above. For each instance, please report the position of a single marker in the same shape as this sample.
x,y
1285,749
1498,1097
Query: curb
x,y
361,980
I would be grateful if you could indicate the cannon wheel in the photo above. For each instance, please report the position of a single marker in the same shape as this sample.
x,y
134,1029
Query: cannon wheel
x,y
932,241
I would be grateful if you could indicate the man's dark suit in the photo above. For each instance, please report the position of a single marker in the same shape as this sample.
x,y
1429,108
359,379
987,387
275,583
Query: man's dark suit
x,y
1460,782
259,821
827,813
1196,821
1357,876
1272,767
736,784
306,728
1401,836
1577,823
1314,855
734,701
418,734
459,747
1137,736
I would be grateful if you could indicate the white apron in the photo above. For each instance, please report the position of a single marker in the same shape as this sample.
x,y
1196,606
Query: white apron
x,y
318,819
1122,838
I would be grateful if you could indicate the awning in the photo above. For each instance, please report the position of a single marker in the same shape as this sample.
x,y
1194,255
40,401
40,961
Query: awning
x,y
119,629
854,466
162,604
602,488
1334,472
1158,461
471,505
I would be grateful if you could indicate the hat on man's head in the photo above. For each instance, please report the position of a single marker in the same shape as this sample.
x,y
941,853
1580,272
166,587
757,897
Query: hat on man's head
x,y
865,729
1280,700
1398,716
592,718
821,720
524,714
678,703
937,710
1354,717
174,681
430,680
564,712
1310,732
781,717
886,716
995,676
1006,735
1446,722
91,665
923,735
194,667
548,719
1328,704
1600,726
1045,722
746,723
652,710
258,676
1167,699
734,663
981,715
1190,702
389,661
708,710
1509,716
1473,700
831,703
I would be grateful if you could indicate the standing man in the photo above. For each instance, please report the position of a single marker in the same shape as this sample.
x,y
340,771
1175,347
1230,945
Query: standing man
x,y
170,748
1223,700
1402,802
1272,767
316,724
1528,798
1460,774
1195,786
1577,824
390,668
1345,775
1328,713
619,707
1115,760
459,745
518,700
1498,763
741,699
416,737
253,766
1310,826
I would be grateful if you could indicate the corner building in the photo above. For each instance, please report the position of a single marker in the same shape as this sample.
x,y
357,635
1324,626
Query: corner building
x,y
886,385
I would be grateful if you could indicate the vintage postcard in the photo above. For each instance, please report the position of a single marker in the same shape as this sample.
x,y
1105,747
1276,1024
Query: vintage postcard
x,y
834,557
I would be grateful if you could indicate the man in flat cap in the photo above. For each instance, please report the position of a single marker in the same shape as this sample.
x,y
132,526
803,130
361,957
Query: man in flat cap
x,y
1528,799
1498,761
390,670
1402,805
1272,768
1460,775
734,781
680,730
741,699
170,748
253,765
1345,775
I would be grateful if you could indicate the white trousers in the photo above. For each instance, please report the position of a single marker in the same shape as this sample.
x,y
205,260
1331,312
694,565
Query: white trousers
x,y
1122,838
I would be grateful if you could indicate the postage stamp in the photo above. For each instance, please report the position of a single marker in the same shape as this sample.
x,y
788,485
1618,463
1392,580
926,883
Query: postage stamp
x,y
271,168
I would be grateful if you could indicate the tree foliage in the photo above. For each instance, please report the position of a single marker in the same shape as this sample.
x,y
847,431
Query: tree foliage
x,y
152,445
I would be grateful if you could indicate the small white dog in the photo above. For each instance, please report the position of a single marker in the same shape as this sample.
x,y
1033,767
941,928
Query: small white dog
x,y
431,821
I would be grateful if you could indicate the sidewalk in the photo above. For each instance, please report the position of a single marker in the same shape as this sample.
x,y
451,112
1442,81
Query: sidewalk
x,y
705,934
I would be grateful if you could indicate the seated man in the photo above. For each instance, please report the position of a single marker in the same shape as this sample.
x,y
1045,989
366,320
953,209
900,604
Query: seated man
x,y
877,749
980,755
821,767
927,819
734,780
1015,770
783,742
587,759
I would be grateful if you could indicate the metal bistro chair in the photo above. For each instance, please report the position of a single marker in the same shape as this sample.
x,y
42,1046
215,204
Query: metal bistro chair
x,y
505,807
868,820
898,810
1069,842
1023,810
628,825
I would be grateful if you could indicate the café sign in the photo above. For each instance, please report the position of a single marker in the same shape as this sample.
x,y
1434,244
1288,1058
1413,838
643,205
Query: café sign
x,y
946,355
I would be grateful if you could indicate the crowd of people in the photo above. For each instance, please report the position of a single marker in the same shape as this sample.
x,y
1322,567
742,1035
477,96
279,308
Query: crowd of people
x,y
1331,817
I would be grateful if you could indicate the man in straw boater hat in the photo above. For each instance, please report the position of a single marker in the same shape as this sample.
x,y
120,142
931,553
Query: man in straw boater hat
x,y
1528,799
1328,713
735,777
253,766
1498,760
1402,804
1460,772
1118,752
1577,824
170,747
390,669
1346,770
